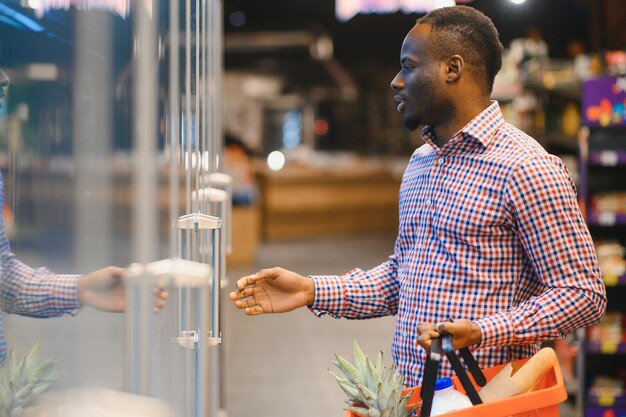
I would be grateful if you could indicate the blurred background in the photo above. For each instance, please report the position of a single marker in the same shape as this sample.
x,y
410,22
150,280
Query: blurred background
x,y
301,118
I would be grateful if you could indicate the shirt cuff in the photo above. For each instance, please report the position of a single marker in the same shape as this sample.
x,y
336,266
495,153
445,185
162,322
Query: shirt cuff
x,y
328,295
496,330
65,293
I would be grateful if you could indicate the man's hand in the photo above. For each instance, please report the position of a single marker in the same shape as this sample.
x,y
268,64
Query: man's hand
x,y
104,290
464,333
273,290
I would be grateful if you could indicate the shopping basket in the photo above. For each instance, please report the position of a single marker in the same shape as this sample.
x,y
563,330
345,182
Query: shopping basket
x,y
542,402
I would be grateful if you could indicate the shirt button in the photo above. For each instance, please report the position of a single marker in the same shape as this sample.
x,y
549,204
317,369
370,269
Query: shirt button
x,y
441,160
427,203
404,334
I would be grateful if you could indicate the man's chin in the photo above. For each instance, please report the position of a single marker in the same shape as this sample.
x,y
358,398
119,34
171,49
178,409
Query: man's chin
x,y
411,123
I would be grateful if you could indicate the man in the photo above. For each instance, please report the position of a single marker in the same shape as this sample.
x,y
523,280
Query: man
x,y
40,293
490,233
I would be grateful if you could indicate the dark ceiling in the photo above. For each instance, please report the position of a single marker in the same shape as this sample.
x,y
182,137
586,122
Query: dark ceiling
x,y
365,40
378,37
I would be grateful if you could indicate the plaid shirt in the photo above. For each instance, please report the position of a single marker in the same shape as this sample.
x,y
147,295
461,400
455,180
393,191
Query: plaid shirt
x,y
31,292
490,230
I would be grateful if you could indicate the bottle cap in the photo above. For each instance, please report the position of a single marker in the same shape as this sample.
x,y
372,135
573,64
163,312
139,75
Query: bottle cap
x,y
443,383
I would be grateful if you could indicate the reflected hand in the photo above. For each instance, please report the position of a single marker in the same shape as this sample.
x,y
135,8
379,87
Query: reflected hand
x,y
274,290
104,290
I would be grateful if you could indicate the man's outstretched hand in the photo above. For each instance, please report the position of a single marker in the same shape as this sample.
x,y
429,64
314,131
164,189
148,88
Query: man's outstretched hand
x,y
273,290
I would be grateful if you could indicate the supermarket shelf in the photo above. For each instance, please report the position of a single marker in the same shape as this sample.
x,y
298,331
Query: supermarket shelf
x,y
614,281
606,401
606,348
569,90
559,140
607,158
605,412
606,218
602,169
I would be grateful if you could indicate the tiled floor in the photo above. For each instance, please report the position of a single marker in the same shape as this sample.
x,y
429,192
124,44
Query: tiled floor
x,y
276,366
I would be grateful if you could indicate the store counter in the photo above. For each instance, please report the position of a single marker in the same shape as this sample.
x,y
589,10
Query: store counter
x,y
313,201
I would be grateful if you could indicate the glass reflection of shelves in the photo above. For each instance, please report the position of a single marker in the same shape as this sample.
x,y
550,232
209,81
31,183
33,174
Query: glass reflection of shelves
x,y
607,218
607,158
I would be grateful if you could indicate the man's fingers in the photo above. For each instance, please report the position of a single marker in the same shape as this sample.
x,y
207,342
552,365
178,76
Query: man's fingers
x,y
269,274
426,332
453,328
425,327
161,293
445,327
254,310
243,282
243,293
429,335
248,302
425,338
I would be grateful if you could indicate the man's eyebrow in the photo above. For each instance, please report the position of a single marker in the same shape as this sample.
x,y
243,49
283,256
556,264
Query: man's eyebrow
x,y
406,59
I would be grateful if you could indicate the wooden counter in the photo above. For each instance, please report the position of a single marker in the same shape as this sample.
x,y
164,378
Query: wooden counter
x,y
300,202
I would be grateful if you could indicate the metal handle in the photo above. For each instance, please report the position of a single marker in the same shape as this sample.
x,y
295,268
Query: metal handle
x,y
200,239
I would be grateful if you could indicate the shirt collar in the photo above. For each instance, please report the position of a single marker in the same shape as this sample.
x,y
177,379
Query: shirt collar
x,y
481,128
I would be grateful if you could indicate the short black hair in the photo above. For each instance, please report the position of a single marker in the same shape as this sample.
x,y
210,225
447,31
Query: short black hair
x,y
465,31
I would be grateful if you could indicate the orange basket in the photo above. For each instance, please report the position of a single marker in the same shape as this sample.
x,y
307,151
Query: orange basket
x,y
542,402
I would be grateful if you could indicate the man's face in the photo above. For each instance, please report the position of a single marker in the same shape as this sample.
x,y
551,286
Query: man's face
x,y
4,83
416,83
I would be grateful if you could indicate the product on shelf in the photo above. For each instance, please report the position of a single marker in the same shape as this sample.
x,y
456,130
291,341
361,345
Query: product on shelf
x,y
609,330
604,387
611,258
613,202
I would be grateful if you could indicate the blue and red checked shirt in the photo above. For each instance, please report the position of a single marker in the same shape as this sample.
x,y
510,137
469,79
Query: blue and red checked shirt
x,y
31,292
490,230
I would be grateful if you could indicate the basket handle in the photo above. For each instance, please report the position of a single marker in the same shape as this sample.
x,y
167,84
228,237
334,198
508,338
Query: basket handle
x,y
432,366
473,367
460,370
430,376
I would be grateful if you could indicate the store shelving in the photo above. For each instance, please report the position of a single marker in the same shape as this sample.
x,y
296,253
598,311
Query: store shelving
x,y
602,362
606,218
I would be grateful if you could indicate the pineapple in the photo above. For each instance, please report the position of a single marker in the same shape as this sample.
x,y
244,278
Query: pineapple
x,y
373,390
23,381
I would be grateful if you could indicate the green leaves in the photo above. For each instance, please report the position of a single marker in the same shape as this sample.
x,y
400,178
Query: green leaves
x,y
372,389
23,381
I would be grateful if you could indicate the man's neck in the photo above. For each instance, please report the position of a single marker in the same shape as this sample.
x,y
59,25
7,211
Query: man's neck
x,y
462,117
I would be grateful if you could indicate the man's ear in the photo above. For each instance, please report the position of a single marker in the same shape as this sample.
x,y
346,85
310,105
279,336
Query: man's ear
x,y
454,68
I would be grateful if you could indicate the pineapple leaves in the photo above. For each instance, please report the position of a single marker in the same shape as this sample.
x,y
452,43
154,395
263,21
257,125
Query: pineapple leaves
x,y
23,381
359,358
372,389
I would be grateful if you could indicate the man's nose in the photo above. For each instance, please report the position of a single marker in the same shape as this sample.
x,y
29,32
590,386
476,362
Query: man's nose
x,y
397,83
